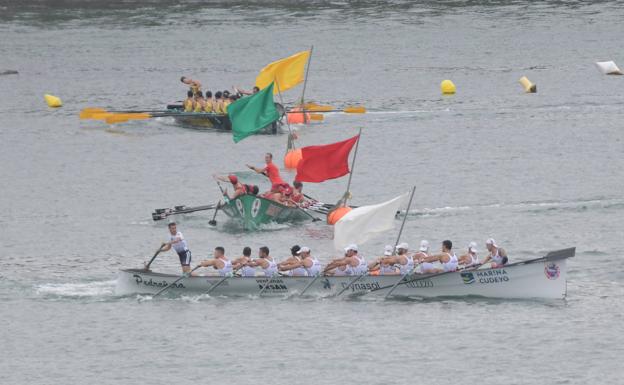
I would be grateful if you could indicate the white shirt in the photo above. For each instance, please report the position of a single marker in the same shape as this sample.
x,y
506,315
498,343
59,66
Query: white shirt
x,y
181,246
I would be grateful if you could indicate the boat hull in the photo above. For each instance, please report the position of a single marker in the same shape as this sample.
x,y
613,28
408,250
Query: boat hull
x,y
255,210
542,278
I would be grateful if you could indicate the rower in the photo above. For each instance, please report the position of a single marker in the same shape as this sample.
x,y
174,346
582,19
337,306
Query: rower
x,y
350,264
217,106
272,172
404,261
239,188
470,259
180,246
311,264
241,263
193,84
497,256
294,264
447,259
226,100
209,107
376,268
242,92
189,102
265,261
220,262
296,197
200,102
422,254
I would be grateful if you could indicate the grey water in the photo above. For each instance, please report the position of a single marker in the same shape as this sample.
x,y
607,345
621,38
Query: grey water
x,y
537,172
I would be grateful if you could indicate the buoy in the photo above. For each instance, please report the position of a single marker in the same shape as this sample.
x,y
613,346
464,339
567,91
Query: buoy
x,y
528,86
53,101
292,158
336,214
608,68
447,87
297,116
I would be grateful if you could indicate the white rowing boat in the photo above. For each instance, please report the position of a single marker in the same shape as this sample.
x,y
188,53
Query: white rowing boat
x,y
543,277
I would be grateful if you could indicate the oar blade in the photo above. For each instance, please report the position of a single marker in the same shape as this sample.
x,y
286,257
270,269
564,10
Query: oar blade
x,y
317,117
87,113
318,107
355,110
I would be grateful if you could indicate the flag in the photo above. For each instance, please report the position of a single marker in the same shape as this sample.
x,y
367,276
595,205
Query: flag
x,y
286,72
330,161
252,113
359,224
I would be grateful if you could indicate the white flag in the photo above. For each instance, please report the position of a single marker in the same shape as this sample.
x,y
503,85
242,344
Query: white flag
x,y
359,224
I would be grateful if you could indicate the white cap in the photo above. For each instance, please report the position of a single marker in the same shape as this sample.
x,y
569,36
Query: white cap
x,y
424,245
403,245
388,250
304,249
352,246
472,246
491,241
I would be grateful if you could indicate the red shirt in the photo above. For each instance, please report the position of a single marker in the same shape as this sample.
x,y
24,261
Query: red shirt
x,y
273,173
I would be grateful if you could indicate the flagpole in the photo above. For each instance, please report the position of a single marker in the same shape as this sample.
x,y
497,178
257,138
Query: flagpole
x,y
346,196
305,81
404,218
291,141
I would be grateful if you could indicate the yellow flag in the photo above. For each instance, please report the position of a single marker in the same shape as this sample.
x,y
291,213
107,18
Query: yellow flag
x,y
287,72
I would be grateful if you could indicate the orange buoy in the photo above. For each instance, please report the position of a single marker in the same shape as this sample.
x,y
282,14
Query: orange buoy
x,y
297,116
338,213
292,158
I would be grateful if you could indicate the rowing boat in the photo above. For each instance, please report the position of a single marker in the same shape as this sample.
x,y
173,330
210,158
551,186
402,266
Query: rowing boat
x,y
543,277
254,210
209,120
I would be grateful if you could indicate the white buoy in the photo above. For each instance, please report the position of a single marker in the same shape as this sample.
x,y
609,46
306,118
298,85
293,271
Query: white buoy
x,y
608,68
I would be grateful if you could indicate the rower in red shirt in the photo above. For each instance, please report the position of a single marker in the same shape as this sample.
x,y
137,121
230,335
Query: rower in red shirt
x,y
278,186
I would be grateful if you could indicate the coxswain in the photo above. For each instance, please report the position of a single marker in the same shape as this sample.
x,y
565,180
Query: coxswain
x,y
402,260
220,263
200,102
376,268
239,188
470,259
177,241
209,107
193,84
241,264
350,264
278,186
293,266
446,257
189,102
266,262
242,92
497,255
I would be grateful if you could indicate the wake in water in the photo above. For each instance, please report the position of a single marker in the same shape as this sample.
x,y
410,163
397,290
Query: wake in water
x,y
94,289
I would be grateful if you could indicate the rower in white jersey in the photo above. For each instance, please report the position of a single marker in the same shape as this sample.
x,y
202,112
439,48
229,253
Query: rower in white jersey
x,y
350,264
376,268
293,266
497,256
402,260
470,259
241,264
447,259
307,266
177,241
220,263
266,262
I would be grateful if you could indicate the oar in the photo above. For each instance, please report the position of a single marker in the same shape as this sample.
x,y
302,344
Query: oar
x,y
185,275
213,221
154,257
265,286
313,107
351,110
354,280
224,279
309,284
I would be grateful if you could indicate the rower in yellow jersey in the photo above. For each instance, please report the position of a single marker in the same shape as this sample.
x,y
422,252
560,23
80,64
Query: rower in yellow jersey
x,y
200,103
189,103
209,102
218,103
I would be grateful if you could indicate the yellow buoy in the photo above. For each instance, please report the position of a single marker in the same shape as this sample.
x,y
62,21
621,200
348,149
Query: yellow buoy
x,y
53,101
528,86
447,87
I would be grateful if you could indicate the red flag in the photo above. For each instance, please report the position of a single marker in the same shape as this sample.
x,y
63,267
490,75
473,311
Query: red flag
x,y
319,163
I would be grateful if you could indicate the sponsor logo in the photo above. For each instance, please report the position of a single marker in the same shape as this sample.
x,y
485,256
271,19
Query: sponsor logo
x,y
492,276
552,271
272,285
139,281
468,277
419,283
362,286
239,206
255,207
326,284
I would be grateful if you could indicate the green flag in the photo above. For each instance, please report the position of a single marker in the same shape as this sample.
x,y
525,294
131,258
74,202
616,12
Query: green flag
x,y
252,113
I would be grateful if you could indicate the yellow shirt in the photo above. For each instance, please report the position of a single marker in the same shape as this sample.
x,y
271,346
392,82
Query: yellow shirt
x,y
188,105
208,107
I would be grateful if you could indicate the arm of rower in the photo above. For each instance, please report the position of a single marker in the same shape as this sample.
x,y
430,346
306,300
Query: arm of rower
x,y
166,247
432,258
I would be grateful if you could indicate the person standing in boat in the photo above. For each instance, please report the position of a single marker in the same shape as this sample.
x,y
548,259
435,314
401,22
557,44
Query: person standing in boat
x,y
265,261
239,188
470,259
350,264
447,259
242,92
402,260
177,241
278,186
220,263
193,84
497,255
242,263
